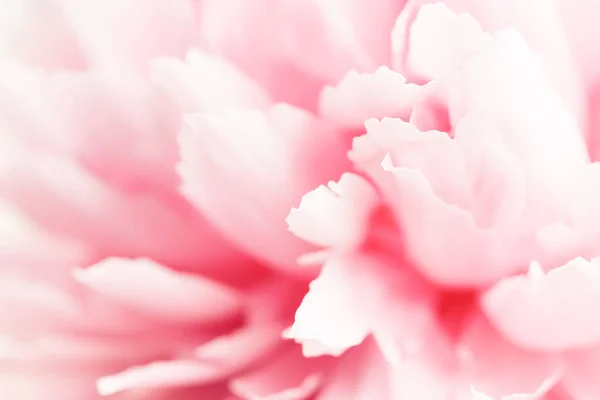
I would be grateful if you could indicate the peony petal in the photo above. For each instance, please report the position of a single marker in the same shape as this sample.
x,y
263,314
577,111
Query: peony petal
x,y
22,26
289,376
325,314
31,306
301,45
432,153
336,215
159,292
160,374
19,234
439,41
503,81
540,22
257,164
35,307
359,97
549,312
97,119
204,82
35,386
115,35
353,297
580,380
71,352
582,34
430,192
239,350
584,219
69,134
501,370
363,374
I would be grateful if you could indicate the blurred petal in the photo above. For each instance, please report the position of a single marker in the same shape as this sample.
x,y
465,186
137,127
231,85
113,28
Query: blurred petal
x,y
158,292
299,45
549,312
204,82
101,153
363,374
160,374
580,380
501,370
257,164
289,376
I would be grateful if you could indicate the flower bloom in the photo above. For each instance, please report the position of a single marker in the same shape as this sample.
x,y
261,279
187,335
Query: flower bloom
x,y
299,200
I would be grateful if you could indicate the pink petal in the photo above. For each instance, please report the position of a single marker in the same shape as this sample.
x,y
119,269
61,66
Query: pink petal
x,y
581,378
353,297
159,292
501,370
108,35
503,80
358,97
336,215
35,386
498,179
257,164
237,351
68,134
289,48
71,352
519,307
430,113
432,153
22,26
115,34
35,307
439,41
289,376
19,234
582,33
540,22
160,374
212,392
464,255
582,201
363,374
205,82
476,395
431,194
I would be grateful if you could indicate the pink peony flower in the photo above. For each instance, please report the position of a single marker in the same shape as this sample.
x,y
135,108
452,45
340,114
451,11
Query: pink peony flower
x,y
299,200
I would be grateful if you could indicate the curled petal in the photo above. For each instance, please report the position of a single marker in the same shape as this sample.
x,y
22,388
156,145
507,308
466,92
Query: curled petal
x,y
358,97
336,215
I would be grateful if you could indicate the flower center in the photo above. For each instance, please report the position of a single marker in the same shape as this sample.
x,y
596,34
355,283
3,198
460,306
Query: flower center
x,y
453,308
